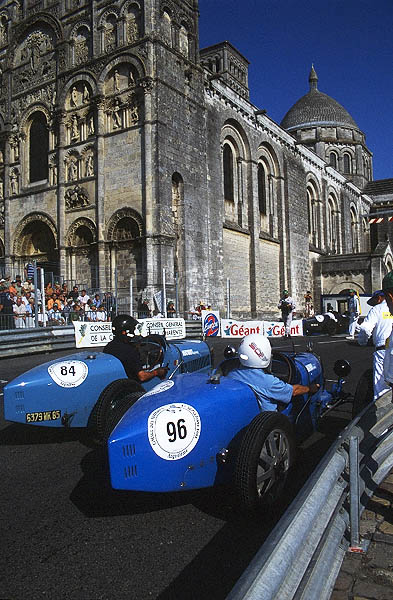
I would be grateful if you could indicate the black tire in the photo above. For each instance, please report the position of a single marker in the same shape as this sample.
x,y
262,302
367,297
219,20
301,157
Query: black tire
x,y
266,454
331,327
364,393
113,402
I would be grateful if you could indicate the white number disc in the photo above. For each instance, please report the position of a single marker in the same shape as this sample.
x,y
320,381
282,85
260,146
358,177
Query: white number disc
x,y
69,373
174,430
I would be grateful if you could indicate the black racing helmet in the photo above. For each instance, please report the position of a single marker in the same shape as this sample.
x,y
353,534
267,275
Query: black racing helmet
x,y
124,325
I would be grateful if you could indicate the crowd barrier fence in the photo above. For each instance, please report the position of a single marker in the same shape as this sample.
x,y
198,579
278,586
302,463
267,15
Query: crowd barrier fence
x,y
302,556
20,342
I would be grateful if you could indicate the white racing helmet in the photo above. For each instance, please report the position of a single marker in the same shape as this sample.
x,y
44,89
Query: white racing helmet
x,y
255,351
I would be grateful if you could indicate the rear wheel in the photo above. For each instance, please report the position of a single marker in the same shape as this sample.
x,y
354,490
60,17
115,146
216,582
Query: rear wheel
x,y
266,454
364,393
113,402
331,327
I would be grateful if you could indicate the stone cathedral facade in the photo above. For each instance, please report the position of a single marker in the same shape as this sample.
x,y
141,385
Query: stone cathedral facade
x,y
125,149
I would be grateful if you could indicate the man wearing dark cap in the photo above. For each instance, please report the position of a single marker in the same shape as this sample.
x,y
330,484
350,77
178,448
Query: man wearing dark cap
x,y
378,324
387,288
287,306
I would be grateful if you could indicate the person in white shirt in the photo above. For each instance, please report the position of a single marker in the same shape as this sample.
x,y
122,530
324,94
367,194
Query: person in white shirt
x,y
354,312
387,288
83,298
378,324
19,310
287,307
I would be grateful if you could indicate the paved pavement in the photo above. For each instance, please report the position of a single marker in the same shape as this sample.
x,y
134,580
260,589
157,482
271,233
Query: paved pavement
x,y
369,576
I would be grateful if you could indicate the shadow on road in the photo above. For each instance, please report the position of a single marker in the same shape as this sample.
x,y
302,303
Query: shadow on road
x,y
21,435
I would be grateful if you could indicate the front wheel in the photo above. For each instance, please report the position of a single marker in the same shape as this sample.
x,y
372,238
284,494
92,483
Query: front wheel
x,y
266,453
113,402
364,393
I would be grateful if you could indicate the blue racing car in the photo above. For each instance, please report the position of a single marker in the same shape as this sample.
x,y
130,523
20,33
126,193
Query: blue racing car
x,y
88,389
201,430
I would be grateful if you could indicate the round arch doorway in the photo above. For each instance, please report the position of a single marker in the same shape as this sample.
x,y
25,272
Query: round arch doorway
x,y
37,242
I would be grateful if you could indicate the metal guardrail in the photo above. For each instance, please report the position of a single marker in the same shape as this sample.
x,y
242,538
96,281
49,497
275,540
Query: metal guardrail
x,y
49,339
301,558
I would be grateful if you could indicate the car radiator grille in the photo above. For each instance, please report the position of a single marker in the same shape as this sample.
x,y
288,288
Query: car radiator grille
x,y
197,364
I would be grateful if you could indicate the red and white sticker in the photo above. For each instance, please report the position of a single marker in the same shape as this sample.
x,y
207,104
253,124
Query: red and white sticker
x,y
68,373
174,430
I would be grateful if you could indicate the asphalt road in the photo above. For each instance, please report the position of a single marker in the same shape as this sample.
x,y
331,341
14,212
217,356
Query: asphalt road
x,y
65,534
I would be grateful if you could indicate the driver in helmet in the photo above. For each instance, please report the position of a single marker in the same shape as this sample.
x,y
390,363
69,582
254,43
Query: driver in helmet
x,y
124,330
255,354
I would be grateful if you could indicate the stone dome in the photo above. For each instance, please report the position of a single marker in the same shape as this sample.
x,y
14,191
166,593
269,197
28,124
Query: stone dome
x,y
316,108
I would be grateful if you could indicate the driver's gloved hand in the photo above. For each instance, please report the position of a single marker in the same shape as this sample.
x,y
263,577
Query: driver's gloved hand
x,y
162,372
313,388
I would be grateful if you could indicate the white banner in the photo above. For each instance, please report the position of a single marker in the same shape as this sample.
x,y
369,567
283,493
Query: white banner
x,y
277,328
239,329
172,329
90,334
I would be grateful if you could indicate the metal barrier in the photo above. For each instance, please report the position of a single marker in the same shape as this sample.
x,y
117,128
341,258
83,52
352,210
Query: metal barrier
x,y
302,557
49,339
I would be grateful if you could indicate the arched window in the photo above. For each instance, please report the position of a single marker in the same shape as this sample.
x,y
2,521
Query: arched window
x,y
313,215
110,33
228,173
333,235
38,148
354,230
366,235
167,28
347,163
183,41
333,160
262,188
81,45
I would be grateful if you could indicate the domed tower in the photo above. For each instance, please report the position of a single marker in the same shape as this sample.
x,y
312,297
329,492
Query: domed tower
x,y
320,122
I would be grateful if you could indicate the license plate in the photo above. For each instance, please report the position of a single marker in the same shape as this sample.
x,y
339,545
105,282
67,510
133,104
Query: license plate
x,y
40,417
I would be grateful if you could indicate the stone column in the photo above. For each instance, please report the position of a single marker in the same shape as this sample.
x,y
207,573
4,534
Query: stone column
x,y
150,191
100,193
61,174
8,262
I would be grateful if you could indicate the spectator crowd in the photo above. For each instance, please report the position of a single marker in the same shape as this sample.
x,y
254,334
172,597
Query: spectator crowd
x,y
19,302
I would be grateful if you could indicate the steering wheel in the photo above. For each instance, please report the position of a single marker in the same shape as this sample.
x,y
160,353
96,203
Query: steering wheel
x,y
289,375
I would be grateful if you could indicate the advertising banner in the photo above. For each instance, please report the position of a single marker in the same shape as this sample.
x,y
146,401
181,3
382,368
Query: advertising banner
x,y
210,322
91,334
172,329
230,328
277,328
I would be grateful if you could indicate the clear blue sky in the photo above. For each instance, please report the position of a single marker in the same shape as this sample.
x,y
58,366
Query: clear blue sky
x,y
350,43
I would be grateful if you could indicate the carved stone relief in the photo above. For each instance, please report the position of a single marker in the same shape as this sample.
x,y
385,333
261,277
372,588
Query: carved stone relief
x,y
34,60
76,197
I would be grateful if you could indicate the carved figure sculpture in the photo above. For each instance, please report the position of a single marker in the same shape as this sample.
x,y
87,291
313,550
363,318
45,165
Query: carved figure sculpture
x,y
74,96
116,80
14,183
90,125
86,95
72,170
89,166
116,115
74,128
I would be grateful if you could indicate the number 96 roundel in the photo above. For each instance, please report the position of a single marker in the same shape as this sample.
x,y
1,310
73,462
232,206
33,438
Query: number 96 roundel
x,y
174,430
68,373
